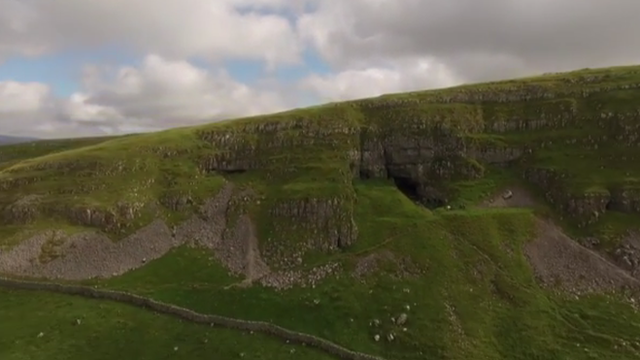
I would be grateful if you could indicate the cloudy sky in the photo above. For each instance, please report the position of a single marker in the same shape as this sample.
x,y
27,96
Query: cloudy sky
x,y
93,67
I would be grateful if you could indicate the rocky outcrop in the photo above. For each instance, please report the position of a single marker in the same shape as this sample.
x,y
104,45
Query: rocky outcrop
x,y
584,208
328,222
562,263
112,220
627,256
220,225
22,211
176,201
429,150
261,145
116,219
530,116
587,207
422,141
495,154
92,254
423,165
625,200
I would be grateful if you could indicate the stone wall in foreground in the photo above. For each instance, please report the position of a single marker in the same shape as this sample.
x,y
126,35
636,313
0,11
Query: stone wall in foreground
x,y
189,315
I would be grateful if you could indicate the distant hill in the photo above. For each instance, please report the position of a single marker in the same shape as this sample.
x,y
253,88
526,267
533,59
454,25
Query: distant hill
x,y
6,140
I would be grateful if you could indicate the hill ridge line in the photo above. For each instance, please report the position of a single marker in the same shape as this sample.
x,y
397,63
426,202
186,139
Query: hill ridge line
x,y
190,315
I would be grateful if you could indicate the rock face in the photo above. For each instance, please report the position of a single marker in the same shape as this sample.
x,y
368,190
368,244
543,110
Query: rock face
x,y
114,219
233,242
328,214
418,164
91,254
627,254
585,207
625,200
302,164
422,155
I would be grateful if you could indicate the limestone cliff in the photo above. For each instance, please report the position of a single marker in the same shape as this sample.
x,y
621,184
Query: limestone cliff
x,y
572,136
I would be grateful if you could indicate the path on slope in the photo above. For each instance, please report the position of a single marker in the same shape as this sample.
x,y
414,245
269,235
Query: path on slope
x,y
190,315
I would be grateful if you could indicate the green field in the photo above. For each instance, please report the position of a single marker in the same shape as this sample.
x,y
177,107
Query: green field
x,y
328,185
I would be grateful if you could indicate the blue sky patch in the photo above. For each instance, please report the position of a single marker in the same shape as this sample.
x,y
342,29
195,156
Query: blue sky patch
x,y
62,71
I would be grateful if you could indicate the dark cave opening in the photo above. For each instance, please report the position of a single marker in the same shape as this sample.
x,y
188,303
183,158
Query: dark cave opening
x,y
408,187
427,197
233,171
609,205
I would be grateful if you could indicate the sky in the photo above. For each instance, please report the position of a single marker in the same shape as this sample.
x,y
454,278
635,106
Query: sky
x,y
72,68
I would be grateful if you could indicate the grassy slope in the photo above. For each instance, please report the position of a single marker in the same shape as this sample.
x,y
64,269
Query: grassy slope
x,y
497,310
110,331
500,313
308,151
11,154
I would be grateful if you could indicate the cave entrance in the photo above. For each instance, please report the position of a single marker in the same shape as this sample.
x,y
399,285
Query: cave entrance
x,y
426,196
408,187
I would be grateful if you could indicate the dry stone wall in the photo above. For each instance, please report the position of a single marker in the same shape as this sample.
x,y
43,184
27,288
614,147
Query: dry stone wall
x,y
189,315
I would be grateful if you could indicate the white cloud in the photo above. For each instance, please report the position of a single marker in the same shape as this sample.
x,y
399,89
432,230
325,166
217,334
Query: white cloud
x,y
477,40
172,28
162,93
16,19
406,75
157,95
18,98
76,108
373,47
30,109
24,107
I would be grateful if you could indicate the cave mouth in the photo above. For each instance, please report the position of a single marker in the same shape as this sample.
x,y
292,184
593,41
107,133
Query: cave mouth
x,y
429,197
234,171
609,205
408,187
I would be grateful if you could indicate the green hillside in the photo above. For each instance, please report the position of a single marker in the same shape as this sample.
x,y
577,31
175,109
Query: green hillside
x,y
486,221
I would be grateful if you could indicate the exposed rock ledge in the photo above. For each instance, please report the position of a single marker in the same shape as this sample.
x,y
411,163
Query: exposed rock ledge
x,y
91,254
560,262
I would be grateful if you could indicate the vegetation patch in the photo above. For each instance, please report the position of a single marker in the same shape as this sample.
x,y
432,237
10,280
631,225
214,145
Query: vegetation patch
x,y
389,193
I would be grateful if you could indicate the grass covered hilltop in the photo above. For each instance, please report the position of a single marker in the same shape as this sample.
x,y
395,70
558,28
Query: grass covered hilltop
x,y
487,221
